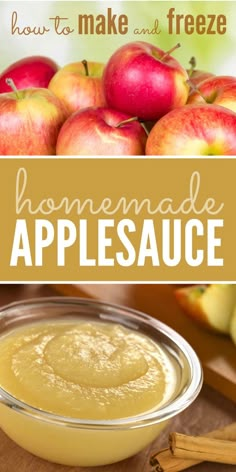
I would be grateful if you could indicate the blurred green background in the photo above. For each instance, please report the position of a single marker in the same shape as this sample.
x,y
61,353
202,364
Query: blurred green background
x,y
215,53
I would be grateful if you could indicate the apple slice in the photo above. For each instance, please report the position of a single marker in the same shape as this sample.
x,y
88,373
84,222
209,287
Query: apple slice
x,y
210,305
232,327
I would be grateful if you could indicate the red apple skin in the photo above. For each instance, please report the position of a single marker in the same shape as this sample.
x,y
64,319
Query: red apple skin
x,y
29,125
198,76
94,131
77,90
34,71
136,81
203,130
227,97
210,88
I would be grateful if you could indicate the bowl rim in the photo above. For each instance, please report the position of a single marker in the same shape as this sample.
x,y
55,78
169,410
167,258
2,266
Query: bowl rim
x,y
165,412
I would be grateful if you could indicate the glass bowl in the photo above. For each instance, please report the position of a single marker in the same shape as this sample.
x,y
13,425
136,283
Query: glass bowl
x,y
86,442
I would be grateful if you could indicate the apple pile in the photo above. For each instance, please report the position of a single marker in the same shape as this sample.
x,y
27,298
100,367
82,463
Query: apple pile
x,y
212,306
89,108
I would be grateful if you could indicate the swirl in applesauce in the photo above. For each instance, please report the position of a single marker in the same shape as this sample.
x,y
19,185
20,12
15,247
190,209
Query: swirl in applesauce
x,y
91,370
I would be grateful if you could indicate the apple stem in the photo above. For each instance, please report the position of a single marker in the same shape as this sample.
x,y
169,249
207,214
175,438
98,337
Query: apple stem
x,y
144,127
85,64
194,88
11,84
126,122
193,64
167,53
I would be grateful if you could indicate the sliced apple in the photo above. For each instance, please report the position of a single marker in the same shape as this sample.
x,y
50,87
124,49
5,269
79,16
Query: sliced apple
x,y
210,305
232,327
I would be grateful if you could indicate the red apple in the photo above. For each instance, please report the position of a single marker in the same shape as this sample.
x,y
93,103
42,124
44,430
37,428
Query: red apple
x,y
142,80
101,131
198,76
208,90
30,121
201,130
34,71
226,97
79,85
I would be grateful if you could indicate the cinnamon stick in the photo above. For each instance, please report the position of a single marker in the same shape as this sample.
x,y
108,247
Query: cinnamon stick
x,y
203,448
164,461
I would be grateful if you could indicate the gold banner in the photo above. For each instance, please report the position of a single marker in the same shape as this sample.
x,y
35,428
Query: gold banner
x,y
132,219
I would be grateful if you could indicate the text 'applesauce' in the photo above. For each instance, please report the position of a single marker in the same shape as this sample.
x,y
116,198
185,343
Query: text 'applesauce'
x,y
87,370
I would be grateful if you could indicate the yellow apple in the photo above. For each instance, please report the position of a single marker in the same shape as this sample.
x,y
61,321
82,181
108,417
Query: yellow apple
x,y
79,85
210,305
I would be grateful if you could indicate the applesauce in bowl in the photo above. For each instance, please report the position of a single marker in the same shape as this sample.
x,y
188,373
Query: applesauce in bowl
x,y
86,383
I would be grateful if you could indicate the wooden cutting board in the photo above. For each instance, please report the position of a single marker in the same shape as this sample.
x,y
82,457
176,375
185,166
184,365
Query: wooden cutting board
x,y
217,353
